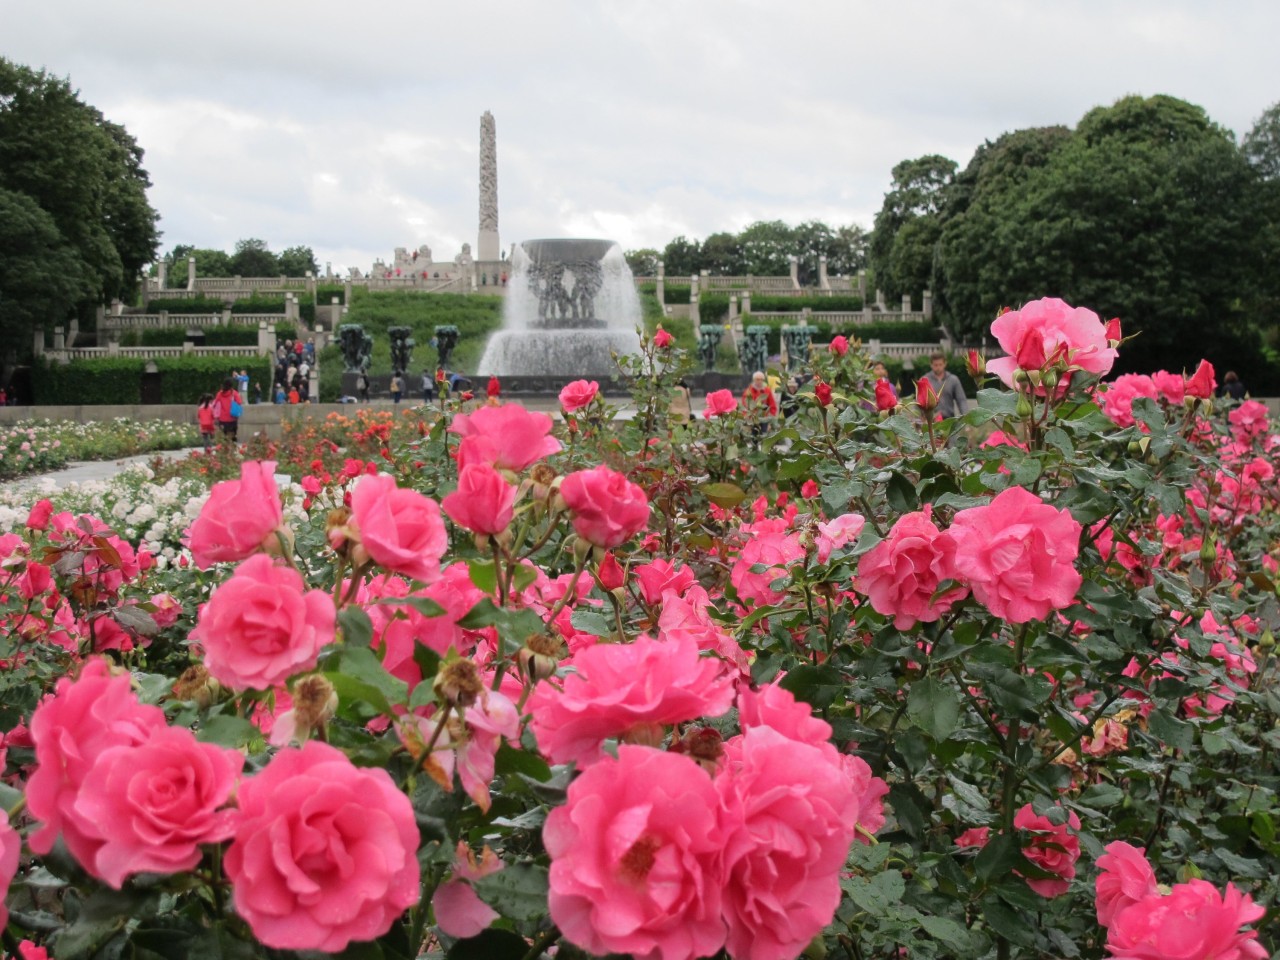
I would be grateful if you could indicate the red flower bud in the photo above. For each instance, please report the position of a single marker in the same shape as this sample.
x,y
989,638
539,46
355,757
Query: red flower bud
x,y
611,574
925,395
822,391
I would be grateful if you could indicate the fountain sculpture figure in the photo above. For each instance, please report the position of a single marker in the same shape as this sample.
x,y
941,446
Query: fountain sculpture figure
x,y
571,306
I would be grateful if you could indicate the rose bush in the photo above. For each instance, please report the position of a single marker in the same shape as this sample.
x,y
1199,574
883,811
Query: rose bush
x,y
877,685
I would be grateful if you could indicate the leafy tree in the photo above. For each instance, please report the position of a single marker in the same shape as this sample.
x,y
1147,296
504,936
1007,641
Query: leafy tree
x,y
209,263
845,249
767,248
86,174
296,261
643,262
253,259
1148,211
42,276
682,257
903,260
722,255
1262,143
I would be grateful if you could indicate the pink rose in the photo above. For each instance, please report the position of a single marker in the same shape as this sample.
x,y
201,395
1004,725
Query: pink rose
x,y
633,858
1117,401
483,501
459,912
777,708
659,576
154,803
788,813
1018,555
262,626
608,509
38,518
719,403
511,437
399,628
839,345
240,516
776,551
324,853
400,530
684,616
1202,383
838,533
10,853
1248,420
1054,848
1125,877
1171,386
83,718
1073,335
974,837
578,394
1194,922
620,689
901,574
662,339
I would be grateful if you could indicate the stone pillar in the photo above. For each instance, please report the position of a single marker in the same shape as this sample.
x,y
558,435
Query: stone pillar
x,y
693,285
265,349
188,348
311,285
927,304
733,308
906,303
162,272
346,292
113,348
117,308
328,269
693,313
746,302
862,286
794,264
37,342
823,282
191,273
662,285
487,246
226,317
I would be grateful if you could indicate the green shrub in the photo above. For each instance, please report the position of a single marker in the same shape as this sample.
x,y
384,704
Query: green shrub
x,y
197,305
679,294
118,380
714,307
260,303
176,336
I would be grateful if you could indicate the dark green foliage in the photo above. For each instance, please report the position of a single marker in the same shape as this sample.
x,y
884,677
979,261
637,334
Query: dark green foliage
x,y
118,380
177,336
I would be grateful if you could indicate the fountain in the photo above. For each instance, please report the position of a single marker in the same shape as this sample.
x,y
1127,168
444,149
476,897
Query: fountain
x,y
571,305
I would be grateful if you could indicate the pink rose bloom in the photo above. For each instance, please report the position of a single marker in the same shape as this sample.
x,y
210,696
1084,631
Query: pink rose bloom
x,y
719,403
684,616
468,746
1074,334
1194,922
1018,555
70,729
578,394
1125,877
483,501
262,626
974,837
839,345
239,518
662,339
324,852
511,438
1171,386
838,533
1117,401
459,912
10,853
399,628
625,688
634,855
154,803
38,518
659,576
400,530
1248,420
777,551
774,707
788,813
1202,383
1054,848
901,573
608,509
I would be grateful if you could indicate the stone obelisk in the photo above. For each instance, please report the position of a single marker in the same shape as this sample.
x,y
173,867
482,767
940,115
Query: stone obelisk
x,y
487,247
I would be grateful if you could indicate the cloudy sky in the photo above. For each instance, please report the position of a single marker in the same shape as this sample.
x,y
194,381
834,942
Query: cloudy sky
x,y
354,127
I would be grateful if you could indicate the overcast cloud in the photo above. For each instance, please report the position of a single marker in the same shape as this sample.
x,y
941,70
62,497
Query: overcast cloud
x,y
354,128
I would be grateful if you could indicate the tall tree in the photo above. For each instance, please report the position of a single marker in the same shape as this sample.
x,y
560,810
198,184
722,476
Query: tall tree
x,y
643,262
254,259
682,257
903,259
297,261
767,248
1262,143
85,173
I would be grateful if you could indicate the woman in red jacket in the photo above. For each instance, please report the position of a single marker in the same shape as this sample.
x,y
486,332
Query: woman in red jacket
x,y
227,406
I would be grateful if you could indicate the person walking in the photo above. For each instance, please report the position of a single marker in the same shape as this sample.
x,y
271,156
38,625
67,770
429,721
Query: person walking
x,y
204,417
946,387
428,385
397,386
363,384
1232,387
227,407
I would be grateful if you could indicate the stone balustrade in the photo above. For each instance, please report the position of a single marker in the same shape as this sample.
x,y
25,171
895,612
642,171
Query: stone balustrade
x,y
152,353
165,320
841,319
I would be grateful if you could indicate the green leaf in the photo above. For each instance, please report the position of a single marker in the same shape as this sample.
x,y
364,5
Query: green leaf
x,y
1241,866
724,495
901,494
1001,854
490,945
818,686
357,628
1007,922
947,931
518,892
1171,731
364,665
484,575
877,895
934,707
227,730
591,621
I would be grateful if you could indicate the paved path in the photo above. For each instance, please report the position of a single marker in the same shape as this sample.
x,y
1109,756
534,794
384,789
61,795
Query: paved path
x,y
82,471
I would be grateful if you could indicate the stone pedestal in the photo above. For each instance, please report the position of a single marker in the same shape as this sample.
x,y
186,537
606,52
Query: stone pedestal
x,y
823,282
191,273
794,265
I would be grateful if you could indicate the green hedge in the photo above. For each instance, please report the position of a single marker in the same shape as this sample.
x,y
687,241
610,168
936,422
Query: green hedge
x,y
176,336
714,307
118,380
198,305
680,294
259,303
888,332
